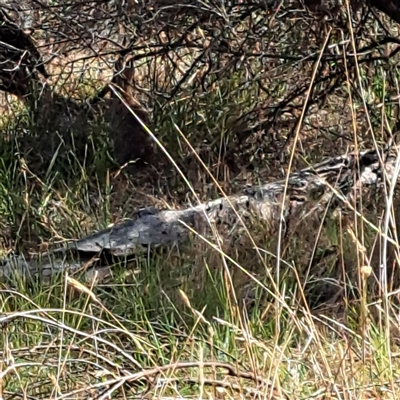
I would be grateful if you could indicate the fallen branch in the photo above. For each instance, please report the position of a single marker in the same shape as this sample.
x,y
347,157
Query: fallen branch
x,y
335,181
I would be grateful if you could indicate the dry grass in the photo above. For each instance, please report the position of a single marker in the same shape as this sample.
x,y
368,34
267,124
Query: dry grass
x,y
311,315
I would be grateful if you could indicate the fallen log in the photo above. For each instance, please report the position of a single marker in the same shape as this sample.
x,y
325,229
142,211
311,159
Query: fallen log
x,y
332,182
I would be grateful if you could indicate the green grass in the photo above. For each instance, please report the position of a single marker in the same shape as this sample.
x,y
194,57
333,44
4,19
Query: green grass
x,y
160,326
69,338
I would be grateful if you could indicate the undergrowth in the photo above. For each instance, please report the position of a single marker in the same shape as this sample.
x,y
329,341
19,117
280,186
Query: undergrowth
x,y
200,321
185,323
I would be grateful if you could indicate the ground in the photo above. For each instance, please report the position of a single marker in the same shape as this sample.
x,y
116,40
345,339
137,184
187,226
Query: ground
x,y
305,317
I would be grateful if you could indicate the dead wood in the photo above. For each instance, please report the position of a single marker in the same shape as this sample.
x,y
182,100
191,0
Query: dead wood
x,y
336,181
19,57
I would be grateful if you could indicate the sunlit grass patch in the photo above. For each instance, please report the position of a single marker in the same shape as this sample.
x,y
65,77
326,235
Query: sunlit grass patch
x,y
235,315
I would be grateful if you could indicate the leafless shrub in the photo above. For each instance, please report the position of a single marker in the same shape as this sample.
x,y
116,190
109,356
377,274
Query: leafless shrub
x,y
189,50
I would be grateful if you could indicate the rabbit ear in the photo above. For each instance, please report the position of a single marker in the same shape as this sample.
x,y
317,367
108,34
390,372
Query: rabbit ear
x,y
124,78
